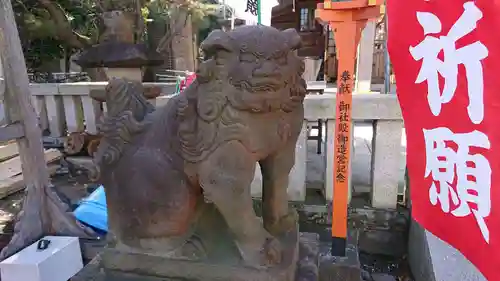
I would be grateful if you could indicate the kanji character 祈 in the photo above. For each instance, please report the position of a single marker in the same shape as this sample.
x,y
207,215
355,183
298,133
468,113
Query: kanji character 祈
x,y
470,56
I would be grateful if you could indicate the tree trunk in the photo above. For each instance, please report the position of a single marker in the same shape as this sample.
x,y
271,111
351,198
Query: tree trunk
x,y
182,41
43,212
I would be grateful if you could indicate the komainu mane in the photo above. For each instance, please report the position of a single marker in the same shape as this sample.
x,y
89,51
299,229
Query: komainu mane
x,y
162,167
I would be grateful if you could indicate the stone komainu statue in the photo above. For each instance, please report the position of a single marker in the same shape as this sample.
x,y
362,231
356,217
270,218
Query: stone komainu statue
x,y
161,167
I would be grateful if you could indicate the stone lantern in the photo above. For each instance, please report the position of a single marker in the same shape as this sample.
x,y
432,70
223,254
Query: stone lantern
x,y
118,51
120,55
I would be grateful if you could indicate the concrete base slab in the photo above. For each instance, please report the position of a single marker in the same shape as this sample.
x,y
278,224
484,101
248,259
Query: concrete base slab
x,y
432,259
346,268
215,268
382,232
382,277
382,242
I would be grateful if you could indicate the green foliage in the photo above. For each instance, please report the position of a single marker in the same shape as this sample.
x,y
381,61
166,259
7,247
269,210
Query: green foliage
x,y
211,23
165,10
83,16
38,31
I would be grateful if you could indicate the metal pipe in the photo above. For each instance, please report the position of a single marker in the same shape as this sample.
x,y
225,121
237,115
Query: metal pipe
x,y
387,60
224,8
259,12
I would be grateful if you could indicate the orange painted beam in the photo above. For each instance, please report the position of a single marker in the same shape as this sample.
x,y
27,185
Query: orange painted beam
x,y
353,4
349,15
347,20
346,39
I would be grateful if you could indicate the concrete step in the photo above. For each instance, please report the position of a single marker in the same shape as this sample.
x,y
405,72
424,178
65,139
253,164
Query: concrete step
x,y
432,259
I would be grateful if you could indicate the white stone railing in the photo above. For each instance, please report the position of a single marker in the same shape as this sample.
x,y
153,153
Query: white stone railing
x,y
65,108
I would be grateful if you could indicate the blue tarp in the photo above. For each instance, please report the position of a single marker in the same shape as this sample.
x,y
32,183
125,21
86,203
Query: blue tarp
x,y
93,210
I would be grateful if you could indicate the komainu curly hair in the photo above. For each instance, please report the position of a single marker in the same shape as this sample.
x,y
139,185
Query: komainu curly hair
x,y
125,118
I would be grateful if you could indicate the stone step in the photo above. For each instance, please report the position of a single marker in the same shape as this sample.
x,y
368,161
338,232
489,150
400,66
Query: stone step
x,y
308,264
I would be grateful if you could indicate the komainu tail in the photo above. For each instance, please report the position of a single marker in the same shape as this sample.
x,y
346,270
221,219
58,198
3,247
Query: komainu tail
x,y
127,109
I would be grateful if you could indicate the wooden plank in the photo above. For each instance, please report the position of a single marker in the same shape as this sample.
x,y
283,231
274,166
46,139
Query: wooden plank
x,y
11,132
12,167
15,184
8,151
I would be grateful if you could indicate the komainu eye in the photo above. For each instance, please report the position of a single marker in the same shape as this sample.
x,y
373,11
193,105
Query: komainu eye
x,y
247,57
222,56
206,55
281,59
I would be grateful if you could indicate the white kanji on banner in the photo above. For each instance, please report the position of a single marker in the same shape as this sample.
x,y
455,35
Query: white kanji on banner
x,y
470,173
470,56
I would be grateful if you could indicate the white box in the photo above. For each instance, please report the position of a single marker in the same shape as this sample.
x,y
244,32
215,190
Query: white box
x,y
59,262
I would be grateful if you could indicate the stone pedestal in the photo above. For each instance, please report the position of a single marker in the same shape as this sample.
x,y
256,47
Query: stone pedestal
x,y
300,263
114,263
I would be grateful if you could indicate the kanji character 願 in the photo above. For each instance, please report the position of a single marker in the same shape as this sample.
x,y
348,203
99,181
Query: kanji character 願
x,y
470,173
470,56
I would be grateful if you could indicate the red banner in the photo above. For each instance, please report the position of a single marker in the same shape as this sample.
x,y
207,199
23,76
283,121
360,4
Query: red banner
x,y
446,57
187,81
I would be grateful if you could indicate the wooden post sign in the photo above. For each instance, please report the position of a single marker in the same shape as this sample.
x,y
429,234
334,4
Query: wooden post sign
x,y
347,19
446,56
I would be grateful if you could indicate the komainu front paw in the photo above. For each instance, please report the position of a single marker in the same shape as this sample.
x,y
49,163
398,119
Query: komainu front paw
x,y
262,254
272,251
284,224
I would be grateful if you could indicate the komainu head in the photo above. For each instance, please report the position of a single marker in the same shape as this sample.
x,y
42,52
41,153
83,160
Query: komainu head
x,y
256,67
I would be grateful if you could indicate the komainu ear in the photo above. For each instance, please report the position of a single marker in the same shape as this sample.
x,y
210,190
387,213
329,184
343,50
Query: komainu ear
x,y
293,38
217,40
